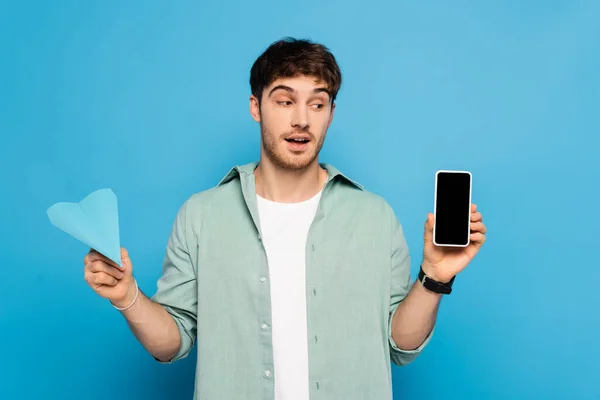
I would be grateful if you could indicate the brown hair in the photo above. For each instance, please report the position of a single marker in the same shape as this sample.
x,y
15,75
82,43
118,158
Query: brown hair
x,y
291,57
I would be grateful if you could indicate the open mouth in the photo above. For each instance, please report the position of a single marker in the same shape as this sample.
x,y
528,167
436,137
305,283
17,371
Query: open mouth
x,y
298,140
298,143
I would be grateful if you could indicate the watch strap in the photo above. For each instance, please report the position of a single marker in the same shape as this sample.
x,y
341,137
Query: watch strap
x,y
433,285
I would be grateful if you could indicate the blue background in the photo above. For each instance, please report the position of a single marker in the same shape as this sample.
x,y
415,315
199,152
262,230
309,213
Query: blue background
x,y
151,99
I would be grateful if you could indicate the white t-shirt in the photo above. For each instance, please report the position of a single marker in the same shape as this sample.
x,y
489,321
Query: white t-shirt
x,y
284,229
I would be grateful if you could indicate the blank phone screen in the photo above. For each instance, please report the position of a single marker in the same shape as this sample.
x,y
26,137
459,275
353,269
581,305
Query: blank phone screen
x,y
452,208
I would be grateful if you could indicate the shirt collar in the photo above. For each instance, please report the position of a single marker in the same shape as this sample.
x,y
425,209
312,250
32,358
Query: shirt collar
x,y
247,170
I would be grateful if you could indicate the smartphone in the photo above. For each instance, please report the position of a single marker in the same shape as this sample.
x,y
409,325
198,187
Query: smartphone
x,y
452,208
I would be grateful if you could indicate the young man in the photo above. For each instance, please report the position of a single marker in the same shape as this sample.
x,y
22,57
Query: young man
x,y
292,280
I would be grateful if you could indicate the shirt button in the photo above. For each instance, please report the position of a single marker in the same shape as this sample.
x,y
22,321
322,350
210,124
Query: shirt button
x,y
267,373
264,326
263,279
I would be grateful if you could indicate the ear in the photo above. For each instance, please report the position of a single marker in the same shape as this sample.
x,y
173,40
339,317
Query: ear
x,y
254,108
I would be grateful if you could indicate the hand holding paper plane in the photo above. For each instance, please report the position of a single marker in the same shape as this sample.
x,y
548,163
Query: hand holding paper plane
x,y
93,221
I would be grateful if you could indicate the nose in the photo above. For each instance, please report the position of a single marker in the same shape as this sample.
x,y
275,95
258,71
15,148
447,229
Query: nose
x,y
300,117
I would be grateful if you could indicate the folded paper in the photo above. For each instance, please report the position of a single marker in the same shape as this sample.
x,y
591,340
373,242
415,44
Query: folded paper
x,y
93,221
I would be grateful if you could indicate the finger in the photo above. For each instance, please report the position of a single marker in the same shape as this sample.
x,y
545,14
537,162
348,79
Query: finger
x,y
102,278
473,207
101,266
476,217
87,276
429,228
97,279
95,256
477,238
88,257
478,227
125,260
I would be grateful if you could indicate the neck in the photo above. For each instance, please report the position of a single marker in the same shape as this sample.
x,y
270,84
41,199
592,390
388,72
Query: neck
x,y
289,186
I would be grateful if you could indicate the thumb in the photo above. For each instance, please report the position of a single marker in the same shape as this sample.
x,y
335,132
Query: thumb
x,y
126,262
428,236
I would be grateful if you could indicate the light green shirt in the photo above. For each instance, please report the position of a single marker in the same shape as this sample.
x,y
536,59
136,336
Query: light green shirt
x,y
215,284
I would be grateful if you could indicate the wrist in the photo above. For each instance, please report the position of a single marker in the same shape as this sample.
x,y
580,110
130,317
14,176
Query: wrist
x,y
434,283
129,298
431,273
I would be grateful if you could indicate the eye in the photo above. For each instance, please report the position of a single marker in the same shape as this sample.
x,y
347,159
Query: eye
x,y
318,106
284,103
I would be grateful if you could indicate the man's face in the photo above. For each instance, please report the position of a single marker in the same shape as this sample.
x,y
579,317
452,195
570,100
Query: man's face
x,y
294,116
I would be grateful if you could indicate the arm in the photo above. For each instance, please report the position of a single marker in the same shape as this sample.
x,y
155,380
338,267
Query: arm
x,y
412,308
414,318
152,325
149,322
177,290
166,324
414,312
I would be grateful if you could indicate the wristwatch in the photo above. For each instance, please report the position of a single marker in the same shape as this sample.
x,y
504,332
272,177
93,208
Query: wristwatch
x,y
433,285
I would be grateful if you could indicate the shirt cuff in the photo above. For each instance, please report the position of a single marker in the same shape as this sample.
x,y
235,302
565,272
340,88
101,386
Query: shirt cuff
x,y
187,343
400,356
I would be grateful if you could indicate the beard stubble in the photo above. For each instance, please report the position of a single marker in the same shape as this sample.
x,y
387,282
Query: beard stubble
x,y
284,160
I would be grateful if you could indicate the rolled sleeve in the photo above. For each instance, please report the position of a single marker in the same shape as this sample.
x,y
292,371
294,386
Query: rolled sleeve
x,y
177,288
401,283
400,356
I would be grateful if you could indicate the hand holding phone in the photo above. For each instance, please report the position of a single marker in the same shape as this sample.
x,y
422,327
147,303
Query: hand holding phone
x,y
454,232
452,208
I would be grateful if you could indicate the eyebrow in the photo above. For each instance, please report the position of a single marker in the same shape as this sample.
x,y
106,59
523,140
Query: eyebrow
x,y
289,89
